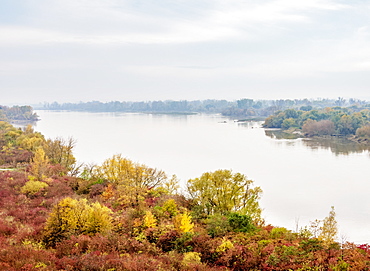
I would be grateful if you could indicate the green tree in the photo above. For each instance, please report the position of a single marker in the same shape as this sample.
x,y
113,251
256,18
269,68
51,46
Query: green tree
x,y
288,123
223,191
240,223
345,125
291,114
275,121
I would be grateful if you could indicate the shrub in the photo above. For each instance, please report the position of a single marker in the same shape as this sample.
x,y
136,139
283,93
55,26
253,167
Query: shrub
x,y
323,127
191,258
32,187
14,156
183,224
225,245
72,216
217,225
279,232
184,243
363,132
167,241
5,229
170,207
96,190
149,220
240,223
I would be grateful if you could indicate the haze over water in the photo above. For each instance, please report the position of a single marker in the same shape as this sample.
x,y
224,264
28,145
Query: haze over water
x,y
301,180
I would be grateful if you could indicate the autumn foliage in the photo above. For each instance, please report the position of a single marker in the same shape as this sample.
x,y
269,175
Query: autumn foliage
x,y
130,218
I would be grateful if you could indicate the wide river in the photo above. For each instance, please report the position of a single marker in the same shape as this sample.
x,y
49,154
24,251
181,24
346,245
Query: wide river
x,y
301,179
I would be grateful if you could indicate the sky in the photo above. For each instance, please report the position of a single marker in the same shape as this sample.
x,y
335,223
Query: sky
x,y
134,50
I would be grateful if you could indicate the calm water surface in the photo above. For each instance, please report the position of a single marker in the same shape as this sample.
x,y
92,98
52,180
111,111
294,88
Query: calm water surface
x,y
301,179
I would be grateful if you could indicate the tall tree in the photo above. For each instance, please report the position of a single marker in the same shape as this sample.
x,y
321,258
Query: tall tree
x,y
118,170
329,229
132,179
60,151
223,191
39,165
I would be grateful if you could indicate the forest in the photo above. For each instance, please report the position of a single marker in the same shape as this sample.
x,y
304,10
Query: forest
x,y
242,108
56,214
352,122
17,113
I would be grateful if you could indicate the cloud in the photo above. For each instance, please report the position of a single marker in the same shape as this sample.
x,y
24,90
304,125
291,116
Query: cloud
x,y
170,48
111,22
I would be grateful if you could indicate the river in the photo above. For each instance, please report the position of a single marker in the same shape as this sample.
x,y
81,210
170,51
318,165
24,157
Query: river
x,y
301,179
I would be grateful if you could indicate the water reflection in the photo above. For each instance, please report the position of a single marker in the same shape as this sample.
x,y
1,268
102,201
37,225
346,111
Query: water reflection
x,y
279,134
22,123
249,124
339,146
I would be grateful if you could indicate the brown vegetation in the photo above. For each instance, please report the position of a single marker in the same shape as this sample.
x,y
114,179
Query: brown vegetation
x,y
318,128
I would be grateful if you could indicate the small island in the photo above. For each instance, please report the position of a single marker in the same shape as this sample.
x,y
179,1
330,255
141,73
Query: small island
x,y
352,123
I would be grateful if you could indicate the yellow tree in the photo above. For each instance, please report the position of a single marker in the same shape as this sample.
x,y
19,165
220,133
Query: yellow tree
x,y
132,179
119,170
329,228
39,165
171,186
116,170
223,191
149,220
60,151
71,216
182,223
98,219
30,140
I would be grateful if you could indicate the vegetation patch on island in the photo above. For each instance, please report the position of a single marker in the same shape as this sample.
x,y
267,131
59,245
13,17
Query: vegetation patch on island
x,y
17,114
352,123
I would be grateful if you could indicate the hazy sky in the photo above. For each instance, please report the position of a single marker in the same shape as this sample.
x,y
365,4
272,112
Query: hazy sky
x,y
83,50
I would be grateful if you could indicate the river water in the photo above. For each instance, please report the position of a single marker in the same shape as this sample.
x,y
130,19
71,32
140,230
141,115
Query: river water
x,y
301,179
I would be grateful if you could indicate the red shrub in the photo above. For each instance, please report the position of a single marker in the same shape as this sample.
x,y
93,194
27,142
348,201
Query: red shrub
x,y
15,156
240,258
23,258
167,241
5,229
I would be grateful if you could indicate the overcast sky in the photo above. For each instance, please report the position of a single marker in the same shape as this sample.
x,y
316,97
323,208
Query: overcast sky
x,y
130,50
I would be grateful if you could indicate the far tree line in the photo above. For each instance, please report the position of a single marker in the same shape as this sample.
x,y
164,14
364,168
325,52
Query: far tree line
x,y
240,108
